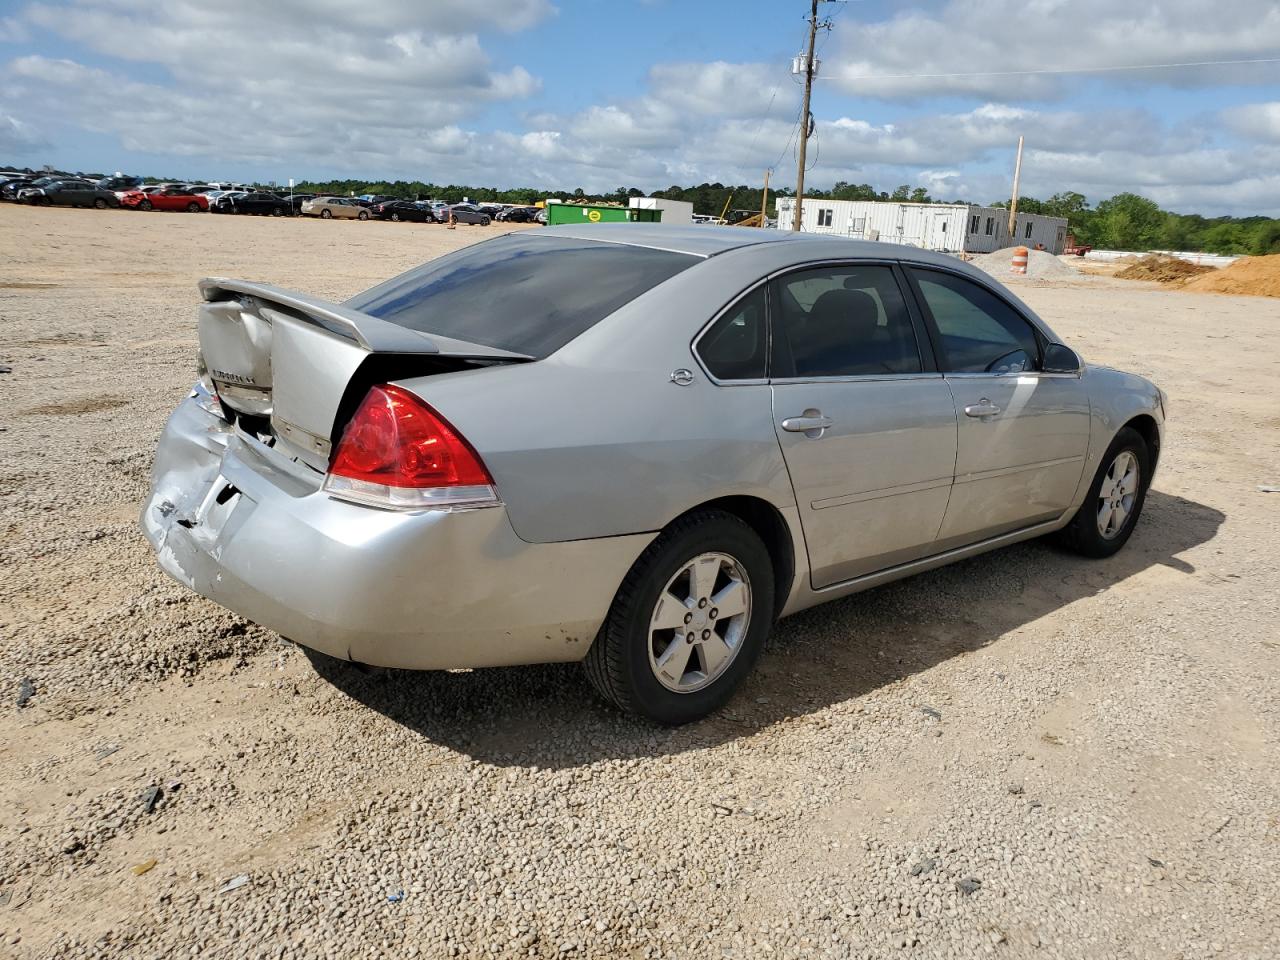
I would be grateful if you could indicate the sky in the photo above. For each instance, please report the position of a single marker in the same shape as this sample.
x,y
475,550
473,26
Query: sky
x,y
601,94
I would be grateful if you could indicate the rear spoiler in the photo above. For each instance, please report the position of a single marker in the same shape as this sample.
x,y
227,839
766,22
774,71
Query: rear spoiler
x,y
375,335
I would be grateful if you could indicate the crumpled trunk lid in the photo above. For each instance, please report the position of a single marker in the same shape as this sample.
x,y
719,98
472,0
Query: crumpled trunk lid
x,y
286,363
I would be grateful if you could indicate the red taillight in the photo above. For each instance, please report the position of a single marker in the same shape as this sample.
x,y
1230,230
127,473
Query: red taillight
x,y
398,452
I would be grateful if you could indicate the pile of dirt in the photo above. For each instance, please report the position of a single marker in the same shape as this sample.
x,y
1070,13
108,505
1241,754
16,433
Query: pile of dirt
x,y
1162,269
1250,276
1039,264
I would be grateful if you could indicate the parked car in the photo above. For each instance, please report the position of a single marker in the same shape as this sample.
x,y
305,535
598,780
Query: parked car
x,y
70,193
563,445
519,214
492,209
345,208
398,210
120,182
165,197
222,201
266,204
11,189
374,199
296,200
541,216
466,213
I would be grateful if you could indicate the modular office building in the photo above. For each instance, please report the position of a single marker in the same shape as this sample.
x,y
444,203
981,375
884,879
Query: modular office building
x,y
948,227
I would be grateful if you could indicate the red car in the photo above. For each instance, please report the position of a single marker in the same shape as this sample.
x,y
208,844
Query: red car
x,y
173,196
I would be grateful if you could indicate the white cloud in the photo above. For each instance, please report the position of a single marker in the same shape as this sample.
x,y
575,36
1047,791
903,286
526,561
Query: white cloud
x,y
967,36
1256,121
18,138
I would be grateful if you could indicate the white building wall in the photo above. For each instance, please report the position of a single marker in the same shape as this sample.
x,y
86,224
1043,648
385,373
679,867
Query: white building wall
x,y
679,212
945,227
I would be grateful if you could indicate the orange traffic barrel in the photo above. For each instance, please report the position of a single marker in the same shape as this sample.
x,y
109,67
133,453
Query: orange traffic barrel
x,y
1020,260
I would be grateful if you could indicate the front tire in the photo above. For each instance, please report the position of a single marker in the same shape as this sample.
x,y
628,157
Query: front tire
x,y
1106,519
193,207
100,204
688,622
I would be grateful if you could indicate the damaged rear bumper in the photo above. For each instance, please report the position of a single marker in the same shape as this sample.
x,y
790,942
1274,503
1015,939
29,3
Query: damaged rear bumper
x,y
244,526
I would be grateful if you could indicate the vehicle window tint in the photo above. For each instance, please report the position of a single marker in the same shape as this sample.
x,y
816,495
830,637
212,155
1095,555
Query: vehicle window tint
x,y
531,294
734,348
979,332
841,322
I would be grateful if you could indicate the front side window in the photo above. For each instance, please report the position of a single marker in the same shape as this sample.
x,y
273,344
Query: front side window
x,y
522,292
735,346
978,332
991,221
974,221
842,321
1027,235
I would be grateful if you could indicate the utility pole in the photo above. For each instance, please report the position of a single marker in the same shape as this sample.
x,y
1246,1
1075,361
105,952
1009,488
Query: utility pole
x,y
1013,205
764,203
804,113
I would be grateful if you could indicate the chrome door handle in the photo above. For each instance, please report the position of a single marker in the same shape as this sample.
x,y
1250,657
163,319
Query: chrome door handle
x,y
812,420
983,408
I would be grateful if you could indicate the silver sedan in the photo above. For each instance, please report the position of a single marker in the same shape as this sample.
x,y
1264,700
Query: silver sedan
x,y
630,445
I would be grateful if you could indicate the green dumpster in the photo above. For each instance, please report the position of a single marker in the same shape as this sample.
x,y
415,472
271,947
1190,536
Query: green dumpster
x,y
560,213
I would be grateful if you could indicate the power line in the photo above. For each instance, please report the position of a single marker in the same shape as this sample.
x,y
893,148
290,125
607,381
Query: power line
x,y
1062,70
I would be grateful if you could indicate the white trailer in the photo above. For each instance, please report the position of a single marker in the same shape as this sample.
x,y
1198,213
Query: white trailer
x,y
673,211
947,227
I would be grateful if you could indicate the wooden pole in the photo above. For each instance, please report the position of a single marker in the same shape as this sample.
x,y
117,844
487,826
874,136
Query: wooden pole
x,y
764,203
1013,205
804,114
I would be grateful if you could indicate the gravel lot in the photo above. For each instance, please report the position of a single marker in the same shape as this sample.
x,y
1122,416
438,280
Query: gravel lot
x,y
1026,754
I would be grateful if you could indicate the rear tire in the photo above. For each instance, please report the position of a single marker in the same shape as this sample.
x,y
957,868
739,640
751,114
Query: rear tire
x,y
1111,508
145,205
362,215
326,214
630,662
395,217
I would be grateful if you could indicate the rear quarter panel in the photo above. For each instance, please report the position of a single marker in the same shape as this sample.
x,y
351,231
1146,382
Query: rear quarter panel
x,y
596,441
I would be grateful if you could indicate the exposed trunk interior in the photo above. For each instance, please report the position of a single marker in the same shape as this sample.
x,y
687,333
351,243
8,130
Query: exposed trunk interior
x,y
291,370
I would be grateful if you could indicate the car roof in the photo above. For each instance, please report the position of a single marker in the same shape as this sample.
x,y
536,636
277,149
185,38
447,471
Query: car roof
x,y
708,241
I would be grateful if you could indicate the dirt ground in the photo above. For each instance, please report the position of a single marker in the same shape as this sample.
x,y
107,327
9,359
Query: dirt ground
x,y
1025,754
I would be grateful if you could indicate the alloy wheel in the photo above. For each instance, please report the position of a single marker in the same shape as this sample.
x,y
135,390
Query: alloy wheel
x,y
699,622
1117,495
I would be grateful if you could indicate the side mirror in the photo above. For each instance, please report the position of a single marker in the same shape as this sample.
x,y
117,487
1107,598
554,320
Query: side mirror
x,y
1060,359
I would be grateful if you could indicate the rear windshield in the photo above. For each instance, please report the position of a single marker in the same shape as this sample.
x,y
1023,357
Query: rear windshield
x,y
529,294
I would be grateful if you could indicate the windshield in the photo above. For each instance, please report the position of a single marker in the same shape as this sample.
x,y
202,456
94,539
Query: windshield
x,y
530,294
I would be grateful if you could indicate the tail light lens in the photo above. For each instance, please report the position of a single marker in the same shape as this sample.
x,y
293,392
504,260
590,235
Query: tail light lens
x,y
399,454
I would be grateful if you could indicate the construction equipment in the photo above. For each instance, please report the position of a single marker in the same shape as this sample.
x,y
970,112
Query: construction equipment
x,y
1075,249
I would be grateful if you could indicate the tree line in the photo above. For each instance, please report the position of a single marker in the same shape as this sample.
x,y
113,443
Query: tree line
x,y
1126,221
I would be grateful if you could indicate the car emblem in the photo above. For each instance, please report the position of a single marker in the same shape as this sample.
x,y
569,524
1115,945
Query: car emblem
x,y
682,376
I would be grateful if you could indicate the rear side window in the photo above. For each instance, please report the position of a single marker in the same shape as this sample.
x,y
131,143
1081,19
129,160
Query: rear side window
x,y
735,347
528,294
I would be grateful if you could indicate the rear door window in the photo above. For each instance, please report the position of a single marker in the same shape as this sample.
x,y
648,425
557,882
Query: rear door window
x,y
528,294
843,321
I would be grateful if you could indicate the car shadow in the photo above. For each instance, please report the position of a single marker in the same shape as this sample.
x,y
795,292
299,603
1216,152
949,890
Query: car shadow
x,y
547,715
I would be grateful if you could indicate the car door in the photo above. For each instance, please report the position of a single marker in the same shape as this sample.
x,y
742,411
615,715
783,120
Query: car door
x,y
867,425
1023,434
